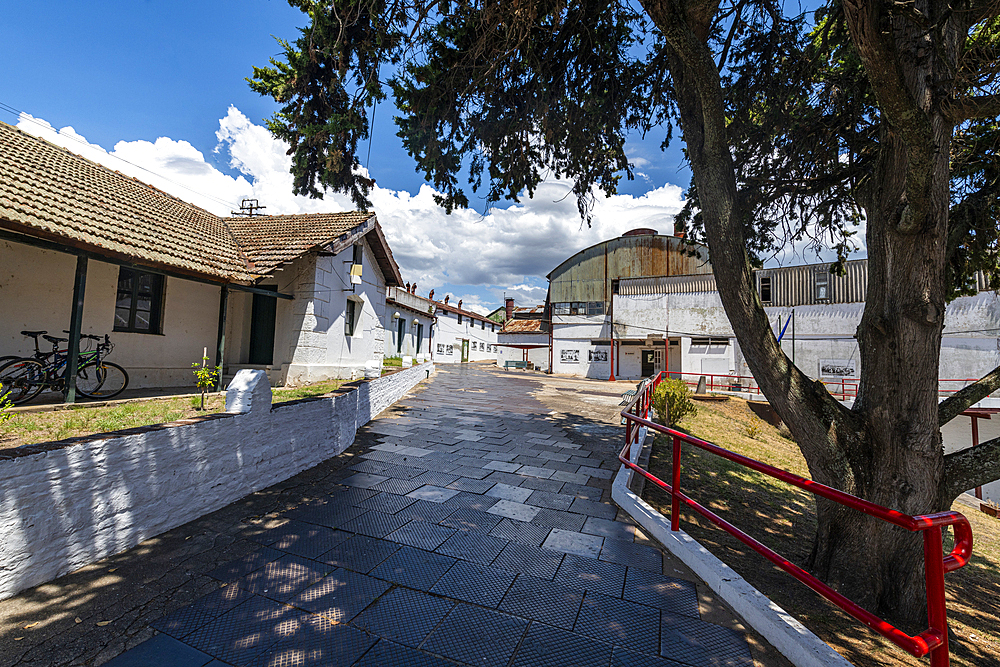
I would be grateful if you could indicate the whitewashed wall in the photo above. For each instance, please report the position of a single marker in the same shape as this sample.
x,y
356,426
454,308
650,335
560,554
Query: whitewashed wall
x,y
67,504
317,348
409,346
36,292
448,332
538,356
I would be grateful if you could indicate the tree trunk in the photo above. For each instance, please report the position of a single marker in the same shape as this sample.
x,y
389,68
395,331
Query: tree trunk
x,y
887,449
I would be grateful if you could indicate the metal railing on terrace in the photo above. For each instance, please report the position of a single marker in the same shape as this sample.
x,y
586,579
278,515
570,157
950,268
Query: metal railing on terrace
x,y
932,641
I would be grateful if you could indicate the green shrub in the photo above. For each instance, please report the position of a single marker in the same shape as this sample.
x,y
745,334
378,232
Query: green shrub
x,y
205,377
672,401
5,406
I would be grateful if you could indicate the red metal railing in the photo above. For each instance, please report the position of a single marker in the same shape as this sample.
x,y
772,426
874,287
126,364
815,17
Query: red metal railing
x,y
934,640
844,388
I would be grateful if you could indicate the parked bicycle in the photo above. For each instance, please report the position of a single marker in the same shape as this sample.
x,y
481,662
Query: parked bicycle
x,y
23,378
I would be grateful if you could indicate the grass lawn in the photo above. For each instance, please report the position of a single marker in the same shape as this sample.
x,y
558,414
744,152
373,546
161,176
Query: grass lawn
x,y
34,427
782,517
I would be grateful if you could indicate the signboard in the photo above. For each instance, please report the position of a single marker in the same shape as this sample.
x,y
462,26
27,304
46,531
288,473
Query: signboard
x,y
599,356
569,356
838,368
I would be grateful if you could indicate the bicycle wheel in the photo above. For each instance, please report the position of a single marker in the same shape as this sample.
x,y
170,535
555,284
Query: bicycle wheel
x,y
21,380
102,380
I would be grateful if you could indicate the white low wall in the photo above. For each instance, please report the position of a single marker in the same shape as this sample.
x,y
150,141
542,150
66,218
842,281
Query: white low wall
x,y
66,504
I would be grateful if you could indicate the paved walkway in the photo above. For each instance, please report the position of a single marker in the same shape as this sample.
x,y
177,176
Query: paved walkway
x,y
466,529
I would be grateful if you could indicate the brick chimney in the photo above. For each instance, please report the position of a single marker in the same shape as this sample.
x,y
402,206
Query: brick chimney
x,y
460,304
446,297
509,308
431,295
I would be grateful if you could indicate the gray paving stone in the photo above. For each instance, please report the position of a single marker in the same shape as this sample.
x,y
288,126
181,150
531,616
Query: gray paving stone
x,y
474,583
375,524
163,651
591,508
545,646
186,620
472,501
434,494
621,622
548,485
312,641
473,546
390,503
623,657
700,644
507,492
572,542
364,480
582,491
520,532
543,600
399,487
592,575
421,534
512,510
414,568
553,501
282,579
360,553
602,473
675,596
477,636
559,519
340,596
436,478
404,616
570,477
641,556
471,485
389,654
536,471
241,567
244,632
523,559
471,520
424,510
618,530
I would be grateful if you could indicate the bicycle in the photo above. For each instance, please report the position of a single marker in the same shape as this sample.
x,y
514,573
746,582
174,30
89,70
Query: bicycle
x,y
25,377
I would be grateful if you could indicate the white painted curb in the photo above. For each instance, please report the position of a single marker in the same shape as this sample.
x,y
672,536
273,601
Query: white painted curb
x,y
791,638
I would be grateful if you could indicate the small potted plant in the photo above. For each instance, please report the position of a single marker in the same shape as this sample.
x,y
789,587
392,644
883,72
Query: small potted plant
x,y
205,376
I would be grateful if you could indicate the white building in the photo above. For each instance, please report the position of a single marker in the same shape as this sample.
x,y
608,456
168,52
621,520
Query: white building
x,y
301,295
461,335
524,337
408,324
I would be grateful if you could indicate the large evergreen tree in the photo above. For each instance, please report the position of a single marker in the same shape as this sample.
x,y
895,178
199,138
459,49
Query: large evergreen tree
x,y
795,126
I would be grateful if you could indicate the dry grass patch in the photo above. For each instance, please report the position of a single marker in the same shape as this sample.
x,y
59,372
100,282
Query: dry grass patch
x,y
783,518
25,428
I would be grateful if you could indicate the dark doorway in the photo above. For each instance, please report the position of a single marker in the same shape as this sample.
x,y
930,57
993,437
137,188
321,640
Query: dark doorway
x,y
648,363
262,317
400,332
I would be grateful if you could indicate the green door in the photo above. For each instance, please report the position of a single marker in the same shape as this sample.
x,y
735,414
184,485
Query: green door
x,y
465,351
262,317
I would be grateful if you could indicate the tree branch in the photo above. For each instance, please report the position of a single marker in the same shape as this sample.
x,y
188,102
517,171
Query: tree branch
x,y
972,467
968,108
960,401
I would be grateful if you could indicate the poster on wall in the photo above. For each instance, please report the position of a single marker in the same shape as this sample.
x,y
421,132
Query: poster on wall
x,y
440,348
450,349
599,356
569,356
838,368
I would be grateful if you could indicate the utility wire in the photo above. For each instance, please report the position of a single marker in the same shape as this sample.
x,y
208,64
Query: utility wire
x,y
27,117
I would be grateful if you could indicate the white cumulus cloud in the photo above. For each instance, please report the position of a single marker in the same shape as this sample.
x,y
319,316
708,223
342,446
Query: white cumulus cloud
x,y
508,250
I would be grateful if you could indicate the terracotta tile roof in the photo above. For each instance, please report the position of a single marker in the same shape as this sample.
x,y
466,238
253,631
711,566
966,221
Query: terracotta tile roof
x,y
272,240
523,326
441,305
48,191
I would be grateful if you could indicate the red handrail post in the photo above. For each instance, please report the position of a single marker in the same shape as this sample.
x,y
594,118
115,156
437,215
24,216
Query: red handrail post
x,y
937,614
675,488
